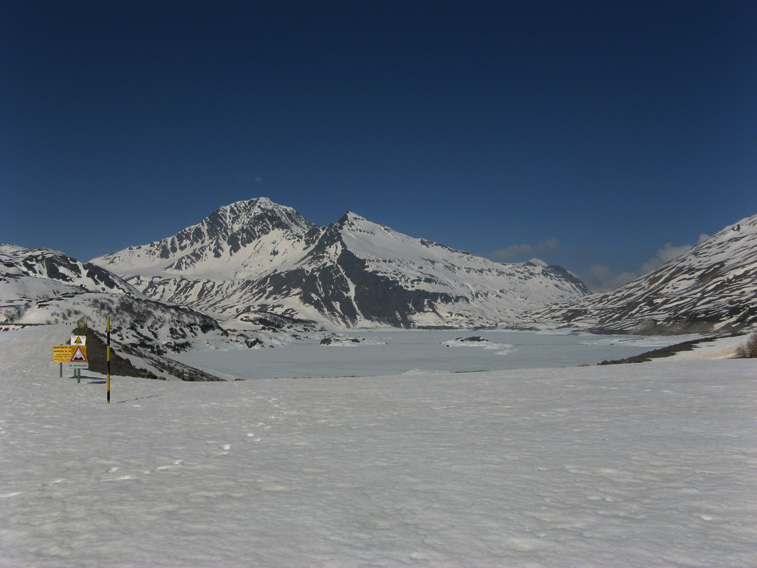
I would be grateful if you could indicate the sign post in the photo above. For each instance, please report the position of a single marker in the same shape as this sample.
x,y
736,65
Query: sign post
x,y
107,355
61,354
74,355
79,360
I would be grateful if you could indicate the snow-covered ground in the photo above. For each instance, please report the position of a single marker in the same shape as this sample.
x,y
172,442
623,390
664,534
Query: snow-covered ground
x,y
626,465
723,348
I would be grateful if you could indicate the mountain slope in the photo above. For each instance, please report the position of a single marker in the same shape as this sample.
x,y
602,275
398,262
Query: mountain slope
x,y
360,272
712,287
45,286
19,262
255,258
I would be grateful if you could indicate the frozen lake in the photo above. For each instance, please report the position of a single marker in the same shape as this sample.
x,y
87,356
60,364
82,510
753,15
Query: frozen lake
x,y
397,352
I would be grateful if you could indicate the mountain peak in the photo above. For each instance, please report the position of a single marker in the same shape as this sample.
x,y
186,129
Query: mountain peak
x,y
351,218
232,231
248,211
537,262
264,201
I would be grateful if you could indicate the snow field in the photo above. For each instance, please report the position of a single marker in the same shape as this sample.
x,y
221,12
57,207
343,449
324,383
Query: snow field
x,y
627,465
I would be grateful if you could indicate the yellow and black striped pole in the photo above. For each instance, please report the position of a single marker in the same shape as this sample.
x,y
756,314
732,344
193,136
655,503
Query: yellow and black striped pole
x,y
107,357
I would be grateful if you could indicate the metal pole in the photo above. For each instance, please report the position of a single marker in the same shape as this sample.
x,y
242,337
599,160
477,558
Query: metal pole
x,y
107,357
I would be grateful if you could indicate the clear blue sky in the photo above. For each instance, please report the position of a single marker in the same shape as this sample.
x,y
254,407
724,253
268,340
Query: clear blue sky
x,y
588,134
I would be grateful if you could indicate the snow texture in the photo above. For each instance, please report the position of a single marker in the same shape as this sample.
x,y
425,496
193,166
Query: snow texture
x,y
644,465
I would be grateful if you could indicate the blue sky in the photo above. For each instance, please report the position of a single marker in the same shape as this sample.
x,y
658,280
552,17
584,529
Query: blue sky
x,y
601,136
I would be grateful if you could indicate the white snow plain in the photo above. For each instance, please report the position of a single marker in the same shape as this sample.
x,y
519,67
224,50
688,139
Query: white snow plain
x,y
627,465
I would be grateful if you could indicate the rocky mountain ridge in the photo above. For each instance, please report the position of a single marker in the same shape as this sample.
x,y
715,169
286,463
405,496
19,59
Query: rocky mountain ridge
x,y
45,286
256,257
710,288
257,267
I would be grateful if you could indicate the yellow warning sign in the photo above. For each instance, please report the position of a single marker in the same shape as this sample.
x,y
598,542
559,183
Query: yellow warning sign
x,y
78,340
62,353
78,354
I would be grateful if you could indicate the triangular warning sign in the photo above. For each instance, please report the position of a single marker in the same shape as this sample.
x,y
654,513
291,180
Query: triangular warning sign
x,y
78,340
78,356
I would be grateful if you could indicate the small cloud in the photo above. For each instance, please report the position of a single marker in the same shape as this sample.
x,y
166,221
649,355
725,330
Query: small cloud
x,y
601,278
248,179
664,255
514,252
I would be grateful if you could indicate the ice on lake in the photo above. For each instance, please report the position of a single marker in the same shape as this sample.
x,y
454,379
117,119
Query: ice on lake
x,y
397,352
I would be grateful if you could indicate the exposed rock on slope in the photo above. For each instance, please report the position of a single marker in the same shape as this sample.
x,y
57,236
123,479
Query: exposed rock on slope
x,y
256,257
46,286
712,287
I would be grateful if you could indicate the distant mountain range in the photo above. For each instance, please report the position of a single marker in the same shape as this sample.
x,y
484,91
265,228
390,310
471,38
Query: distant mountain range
x,y
255,265
253,259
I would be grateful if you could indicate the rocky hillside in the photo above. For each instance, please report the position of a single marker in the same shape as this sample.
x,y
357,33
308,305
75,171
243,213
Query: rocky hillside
x,y
46,286
712,287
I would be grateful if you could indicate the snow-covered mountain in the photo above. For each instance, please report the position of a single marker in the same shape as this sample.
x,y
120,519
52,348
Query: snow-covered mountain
x,y
359,272
243,240
261,265
44,286
19,263
256,260
712,287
